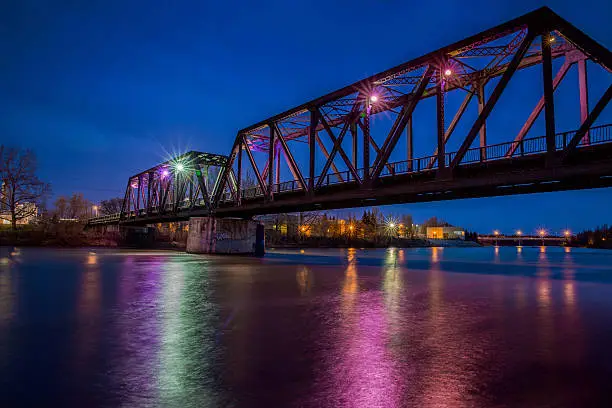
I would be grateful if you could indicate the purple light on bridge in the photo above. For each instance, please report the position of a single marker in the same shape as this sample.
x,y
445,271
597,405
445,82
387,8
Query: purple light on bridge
x,y
165,173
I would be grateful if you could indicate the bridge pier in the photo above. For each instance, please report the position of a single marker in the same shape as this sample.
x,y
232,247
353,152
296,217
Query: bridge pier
x,y
211,235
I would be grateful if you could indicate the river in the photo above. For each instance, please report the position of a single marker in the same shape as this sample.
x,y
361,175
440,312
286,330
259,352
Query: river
x,y
431,327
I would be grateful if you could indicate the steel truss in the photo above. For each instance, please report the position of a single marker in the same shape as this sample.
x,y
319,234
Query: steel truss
x,y
354,169
187,182
342,118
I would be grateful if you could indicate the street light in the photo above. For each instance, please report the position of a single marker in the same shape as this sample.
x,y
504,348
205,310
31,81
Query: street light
x,y
448,72
95,210
519,233
179,167
542,234
373,98
496,233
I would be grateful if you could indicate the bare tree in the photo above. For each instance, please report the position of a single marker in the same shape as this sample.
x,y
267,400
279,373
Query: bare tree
x,y
21,191
112,206
61,207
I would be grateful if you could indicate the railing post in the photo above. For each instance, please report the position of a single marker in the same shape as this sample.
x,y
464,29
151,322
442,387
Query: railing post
x,y
522,147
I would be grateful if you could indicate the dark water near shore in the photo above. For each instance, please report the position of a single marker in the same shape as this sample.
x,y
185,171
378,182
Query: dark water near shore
x,y
325,328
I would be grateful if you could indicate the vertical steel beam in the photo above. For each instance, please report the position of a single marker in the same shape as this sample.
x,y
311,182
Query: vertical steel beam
x,y
355,143
440,121
453,123
312,135
125,207
138,195
271,162
409,144
584,96
549,105
366,143
483,129
149,183
278,153
239,178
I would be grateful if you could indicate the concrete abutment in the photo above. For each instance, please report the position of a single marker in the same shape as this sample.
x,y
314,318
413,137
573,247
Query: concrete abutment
x,y
210,235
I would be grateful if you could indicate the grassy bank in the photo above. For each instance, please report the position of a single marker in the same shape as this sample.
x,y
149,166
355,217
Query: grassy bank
x,y
57,235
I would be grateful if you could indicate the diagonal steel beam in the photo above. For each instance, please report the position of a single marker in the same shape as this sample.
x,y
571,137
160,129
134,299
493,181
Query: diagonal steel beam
x,y
239,181
400,124
499,88
262,185
538,109
337,173
312,135
337,147
453,124
599,107
580,40
204,190
372,142
293,167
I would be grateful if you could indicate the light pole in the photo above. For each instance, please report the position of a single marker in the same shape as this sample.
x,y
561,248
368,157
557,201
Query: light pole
x,y
519,233
567,234
542,234
496,233
95,210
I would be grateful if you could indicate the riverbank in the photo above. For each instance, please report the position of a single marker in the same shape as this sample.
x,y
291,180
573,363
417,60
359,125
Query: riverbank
x,y
70,236
338,242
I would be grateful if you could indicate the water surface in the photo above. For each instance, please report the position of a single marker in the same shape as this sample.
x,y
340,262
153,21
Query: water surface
x,y
469,327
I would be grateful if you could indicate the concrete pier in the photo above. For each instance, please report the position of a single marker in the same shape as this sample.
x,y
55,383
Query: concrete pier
x,y
210,235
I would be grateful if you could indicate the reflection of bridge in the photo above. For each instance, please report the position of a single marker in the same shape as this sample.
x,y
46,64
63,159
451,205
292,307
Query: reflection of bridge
x,y
341,150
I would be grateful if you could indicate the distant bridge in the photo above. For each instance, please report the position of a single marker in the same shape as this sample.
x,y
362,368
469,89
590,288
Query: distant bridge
x,y
329,153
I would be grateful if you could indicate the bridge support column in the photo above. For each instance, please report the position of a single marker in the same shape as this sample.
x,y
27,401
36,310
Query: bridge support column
x,y
210,235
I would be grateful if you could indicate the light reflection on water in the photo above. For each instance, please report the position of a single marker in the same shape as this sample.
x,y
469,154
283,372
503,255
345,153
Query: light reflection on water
x,y
347,328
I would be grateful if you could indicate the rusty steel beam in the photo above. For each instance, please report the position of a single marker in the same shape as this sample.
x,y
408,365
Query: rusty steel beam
x,y
337,172
399,125
538,108
499,88
599,107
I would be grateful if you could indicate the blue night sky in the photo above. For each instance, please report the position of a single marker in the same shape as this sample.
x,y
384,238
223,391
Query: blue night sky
x,y
103,89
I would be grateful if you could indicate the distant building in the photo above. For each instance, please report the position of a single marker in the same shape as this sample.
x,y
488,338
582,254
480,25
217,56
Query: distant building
x,y
28,208
445,233
286,224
